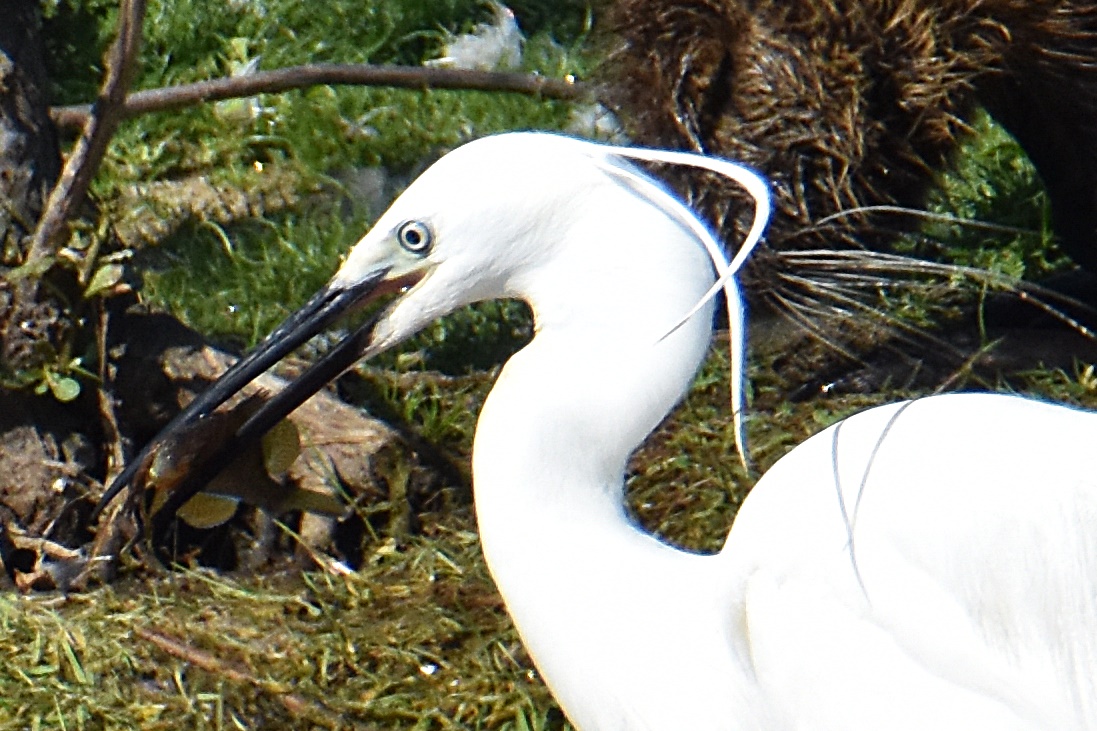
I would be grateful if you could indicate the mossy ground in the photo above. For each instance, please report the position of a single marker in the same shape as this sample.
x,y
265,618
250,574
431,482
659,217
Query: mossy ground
x,y
416,638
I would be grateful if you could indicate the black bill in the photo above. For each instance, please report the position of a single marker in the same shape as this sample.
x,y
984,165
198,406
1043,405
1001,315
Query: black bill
x,y
324,308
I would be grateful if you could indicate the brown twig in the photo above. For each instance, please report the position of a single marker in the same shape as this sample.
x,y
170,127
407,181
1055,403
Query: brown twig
x,y
118,527
292,702
100,123
298,77
198,658
113,434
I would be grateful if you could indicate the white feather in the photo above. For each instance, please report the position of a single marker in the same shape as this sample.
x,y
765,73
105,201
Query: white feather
x,y
490,46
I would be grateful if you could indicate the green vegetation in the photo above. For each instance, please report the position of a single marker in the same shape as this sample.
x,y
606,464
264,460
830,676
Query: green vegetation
x,y
230,279
992,183
417,637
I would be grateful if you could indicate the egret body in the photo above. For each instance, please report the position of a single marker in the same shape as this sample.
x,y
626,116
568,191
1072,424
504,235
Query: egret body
x,y
929,565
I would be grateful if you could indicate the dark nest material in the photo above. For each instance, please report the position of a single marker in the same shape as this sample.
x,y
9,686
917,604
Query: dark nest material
x,y
847,104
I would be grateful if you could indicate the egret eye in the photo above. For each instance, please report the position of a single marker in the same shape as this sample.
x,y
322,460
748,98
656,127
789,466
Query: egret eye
x,y
415,236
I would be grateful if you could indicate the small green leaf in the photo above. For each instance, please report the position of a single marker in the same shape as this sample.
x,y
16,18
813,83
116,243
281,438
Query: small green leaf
x,y
64,389
104,278
281,447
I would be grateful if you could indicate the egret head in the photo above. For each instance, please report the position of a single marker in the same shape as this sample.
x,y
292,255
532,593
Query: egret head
x,y
486,221
477,224
463,228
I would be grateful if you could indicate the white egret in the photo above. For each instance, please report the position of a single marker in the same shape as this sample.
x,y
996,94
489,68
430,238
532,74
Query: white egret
x,y
926,565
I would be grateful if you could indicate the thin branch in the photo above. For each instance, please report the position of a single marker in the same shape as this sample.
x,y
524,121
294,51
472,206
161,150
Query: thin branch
x,y
100,123
109,419
199,658
297,705
298,77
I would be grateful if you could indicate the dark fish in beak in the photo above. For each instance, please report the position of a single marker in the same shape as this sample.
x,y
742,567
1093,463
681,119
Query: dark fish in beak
x,y
257,474
323,309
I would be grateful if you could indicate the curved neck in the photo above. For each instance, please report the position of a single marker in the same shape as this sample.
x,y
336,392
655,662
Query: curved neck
x,y
578,576
601,373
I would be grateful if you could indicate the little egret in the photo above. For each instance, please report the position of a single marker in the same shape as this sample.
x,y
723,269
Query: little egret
x,y
925,565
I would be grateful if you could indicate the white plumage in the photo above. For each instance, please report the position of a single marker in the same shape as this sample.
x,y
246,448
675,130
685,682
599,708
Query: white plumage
x,y
929,565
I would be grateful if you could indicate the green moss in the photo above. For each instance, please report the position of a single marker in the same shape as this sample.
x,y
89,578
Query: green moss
x,y
991,181
237,284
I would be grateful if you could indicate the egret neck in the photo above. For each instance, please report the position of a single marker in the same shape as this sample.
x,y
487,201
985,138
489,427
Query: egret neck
x,y
573,568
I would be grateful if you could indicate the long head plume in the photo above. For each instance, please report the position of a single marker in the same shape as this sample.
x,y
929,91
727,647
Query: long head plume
x,y
757,188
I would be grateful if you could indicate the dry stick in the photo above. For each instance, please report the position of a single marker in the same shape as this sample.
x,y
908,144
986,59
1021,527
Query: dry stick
x,y
112,532
113,435
292,702
101,121
297,77
199,658
68,194
83,162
